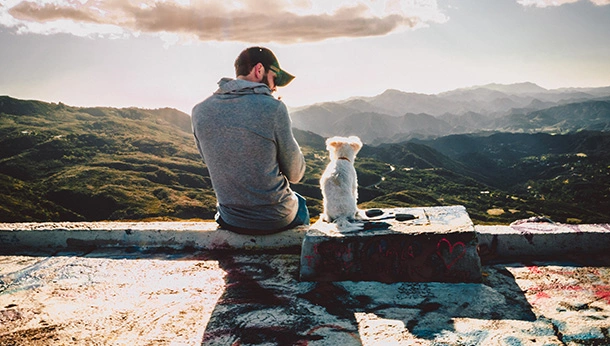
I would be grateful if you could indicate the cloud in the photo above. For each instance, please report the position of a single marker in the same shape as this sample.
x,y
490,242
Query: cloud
x,y
548,3
288,21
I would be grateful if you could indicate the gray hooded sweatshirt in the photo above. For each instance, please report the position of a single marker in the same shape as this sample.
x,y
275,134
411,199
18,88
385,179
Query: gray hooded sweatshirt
x,y
245,138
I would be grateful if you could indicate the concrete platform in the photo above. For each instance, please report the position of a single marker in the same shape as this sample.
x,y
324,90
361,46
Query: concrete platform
x,y
110,297
432,244
174,283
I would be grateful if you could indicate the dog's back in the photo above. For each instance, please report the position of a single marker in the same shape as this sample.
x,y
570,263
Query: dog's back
x,y
339,182
339,190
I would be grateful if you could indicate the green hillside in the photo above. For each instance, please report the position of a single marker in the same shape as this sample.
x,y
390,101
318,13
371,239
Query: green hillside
x,y
63,163
68,163
563,176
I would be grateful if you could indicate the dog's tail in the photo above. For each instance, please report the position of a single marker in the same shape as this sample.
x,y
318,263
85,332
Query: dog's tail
x,y
344,224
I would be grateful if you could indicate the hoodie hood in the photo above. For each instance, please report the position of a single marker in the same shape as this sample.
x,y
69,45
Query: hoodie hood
x,y
230,86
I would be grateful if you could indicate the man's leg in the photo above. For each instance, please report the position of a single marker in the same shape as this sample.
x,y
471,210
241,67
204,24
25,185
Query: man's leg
x,y
302,218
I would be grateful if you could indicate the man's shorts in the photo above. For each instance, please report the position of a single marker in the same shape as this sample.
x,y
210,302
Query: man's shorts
x,y
302,218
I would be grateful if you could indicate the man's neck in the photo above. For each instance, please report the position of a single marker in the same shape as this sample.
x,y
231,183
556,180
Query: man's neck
x,y
245,78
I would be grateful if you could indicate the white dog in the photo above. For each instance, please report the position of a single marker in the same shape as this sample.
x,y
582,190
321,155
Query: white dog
x,y
339,183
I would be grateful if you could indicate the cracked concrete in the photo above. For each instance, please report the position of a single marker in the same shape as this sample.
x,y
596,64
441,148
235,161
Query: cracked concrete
x,y
144,284
129,296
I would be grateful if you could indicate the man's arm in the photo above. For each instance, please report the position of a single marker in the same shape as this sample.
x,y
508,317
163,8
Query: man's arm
x,y
290,157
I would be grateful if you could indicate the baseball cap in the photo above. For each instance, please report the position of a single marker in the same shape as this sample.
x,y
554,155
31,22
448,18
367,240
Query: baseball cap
x,y
253,55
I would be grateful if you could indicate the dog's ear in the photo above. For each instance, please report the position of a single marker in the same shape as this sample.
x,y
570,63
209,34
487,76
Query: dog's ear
x,y
333,142
355,143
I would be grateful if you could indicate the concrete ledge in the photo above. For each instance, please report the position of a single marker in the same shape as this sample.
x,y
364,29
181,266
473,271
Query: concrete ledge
x,y
539,240
496,243
435,244
199,235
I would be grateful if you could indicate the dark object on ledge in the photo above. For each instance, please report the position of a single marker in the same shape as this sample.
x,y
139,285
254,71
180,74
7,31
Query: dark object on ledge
x,y
374,212
405,217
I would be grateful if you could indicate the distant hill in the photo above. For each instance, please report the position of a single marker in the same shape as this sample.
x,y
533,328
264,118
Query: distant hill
x,y
65,163
396,116
588,115
516,89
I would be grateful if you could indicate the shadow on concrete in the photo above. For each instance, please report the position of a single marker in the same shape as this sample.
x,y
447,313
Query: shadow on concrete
x,y
264,302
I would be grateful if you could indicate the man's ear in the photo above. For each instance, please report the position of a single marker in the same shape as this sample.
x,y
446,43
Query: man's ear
x,y
259,71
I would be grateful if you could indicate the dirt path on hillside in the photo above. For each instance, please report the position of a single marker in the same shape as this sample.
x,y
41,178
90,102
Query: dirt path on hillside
x,y
382,179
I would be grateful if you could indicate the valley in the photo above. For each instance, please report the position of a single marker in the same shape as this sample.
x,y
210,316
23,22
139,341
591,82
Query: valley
x,y
65,163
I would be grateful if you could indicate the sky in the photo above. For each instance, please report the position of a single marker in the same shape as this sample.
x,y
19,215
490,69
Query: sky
x,y
172,53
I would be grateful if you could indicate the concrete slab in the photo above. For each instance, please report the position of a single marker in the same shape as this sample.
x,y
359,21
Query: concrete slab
x,y
106,298
541,240
433,244
129,297
95,235
172,284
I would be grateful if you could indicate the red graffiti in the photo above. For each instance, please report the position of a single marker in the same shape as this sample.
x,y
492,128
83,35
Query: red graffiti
x,y
333,255
409,252
603,293
554,286
544,295
534,270
309,260
391,258
337,250
451,257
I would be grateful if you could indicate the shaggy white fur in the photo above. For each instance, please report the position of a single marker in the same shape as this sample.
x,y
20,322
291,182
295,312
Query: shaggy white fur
x,y
339,183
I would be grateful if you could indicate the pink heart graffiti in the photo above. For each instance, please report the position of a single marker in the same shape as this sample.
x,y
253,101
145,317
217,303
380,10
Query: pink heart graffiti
x,y
452,257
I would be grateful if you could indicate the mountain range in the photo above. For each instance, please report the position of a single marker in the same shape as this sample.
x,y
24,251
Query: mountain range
x,y
66,163
396,116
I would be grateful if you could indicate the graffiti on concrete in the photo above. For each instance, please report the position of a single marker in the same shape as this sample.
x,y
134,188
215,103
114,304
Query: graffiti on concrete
x,y
450,253
392,259
209,298
566,291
